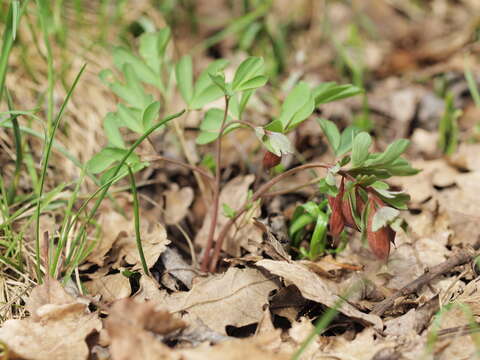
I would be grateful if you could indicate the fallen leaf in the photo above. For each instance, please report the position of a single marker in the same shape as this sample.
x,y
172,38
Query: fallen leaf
x,y
56,330
131,327
316,289
113,225
234,298
110,287
365,346
177,202
154,242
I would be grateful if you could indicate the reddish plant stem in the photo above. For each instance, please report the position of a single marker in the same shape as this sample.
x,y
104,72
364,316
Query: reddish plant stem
x,y
202,172
256,196
216,190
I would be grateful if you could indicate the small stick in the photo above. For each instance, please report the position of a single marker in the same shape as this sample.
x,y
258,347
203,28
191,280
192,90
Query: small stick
x,y
461,257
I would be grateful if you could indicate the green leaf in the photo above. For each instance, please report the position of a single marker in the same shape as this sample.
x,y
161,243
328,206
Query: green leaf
x,y
135,166
253,83
150,113
331,132
131,117
133,85
298,106
361,144
393,151
146,74
383,217
210,126
346,140
106,157
248,70
204,81
401,167
330,91
228,211
184,75
396,199
219,80
280,144
209,94
275,142
152,47
317,242
111,125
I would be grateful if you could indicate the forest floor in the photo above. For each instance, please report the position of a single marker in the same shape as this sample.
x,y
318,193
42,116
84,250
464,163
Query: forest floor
x,y
75,282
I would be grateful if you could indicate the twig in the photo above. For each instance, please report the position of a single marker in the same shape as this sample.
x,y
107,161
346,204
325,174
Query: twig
x,y
459,258
194,168
216,190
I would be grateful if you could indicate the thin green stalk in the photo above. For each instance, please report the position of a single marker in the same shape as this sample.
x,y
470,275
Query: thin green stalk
x,y
103,193
325,320
43,173
136,214
320,325
65,226
472,85
13,17
44,21
19,155
235,26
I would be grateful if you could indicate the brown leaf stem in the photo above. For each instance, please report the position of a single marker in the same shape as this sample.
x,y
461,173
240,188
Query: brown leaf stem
x,y
216,190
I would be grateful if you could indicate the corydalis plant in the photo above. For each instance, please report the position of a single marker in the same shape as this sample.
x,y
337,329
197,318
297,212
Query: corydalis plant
x,y
363,201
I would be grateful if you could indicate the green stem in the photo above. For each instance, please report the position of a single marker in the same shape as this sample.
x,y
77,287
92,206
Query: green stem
x,y
114,175
46,159
137,220
18,151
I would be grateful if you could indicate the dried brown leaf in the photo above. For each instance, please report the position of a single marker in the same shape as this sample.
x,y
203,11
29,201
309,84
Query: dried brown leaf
x,y
235,298
110,287
56,330
177,202
315,288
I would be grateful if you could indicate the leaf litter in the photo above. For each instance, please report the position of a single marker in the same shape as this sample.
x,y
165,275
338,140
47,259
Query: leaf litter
x,y
265,304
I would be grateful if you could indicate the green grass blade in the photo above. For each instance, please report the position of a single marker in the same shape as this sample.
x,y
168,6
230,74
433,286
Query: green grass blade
x,y
46,158
136,215
105,189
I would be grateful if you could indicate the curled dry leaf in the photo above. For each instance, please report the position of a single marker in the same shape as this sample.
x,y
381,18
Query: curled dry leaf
x,y
177,202
337,222
113,225
379,241
270,160
154,242
234,298
56,330
316,289
131,327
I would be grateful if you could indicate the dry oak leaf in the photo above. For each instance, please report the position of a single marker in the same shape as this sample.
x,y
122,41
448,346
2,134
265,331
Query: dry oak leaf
x,y
132,326
110,287
177,202
234,298
256,347
56,329
316,289
154,242
113,225
365,346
